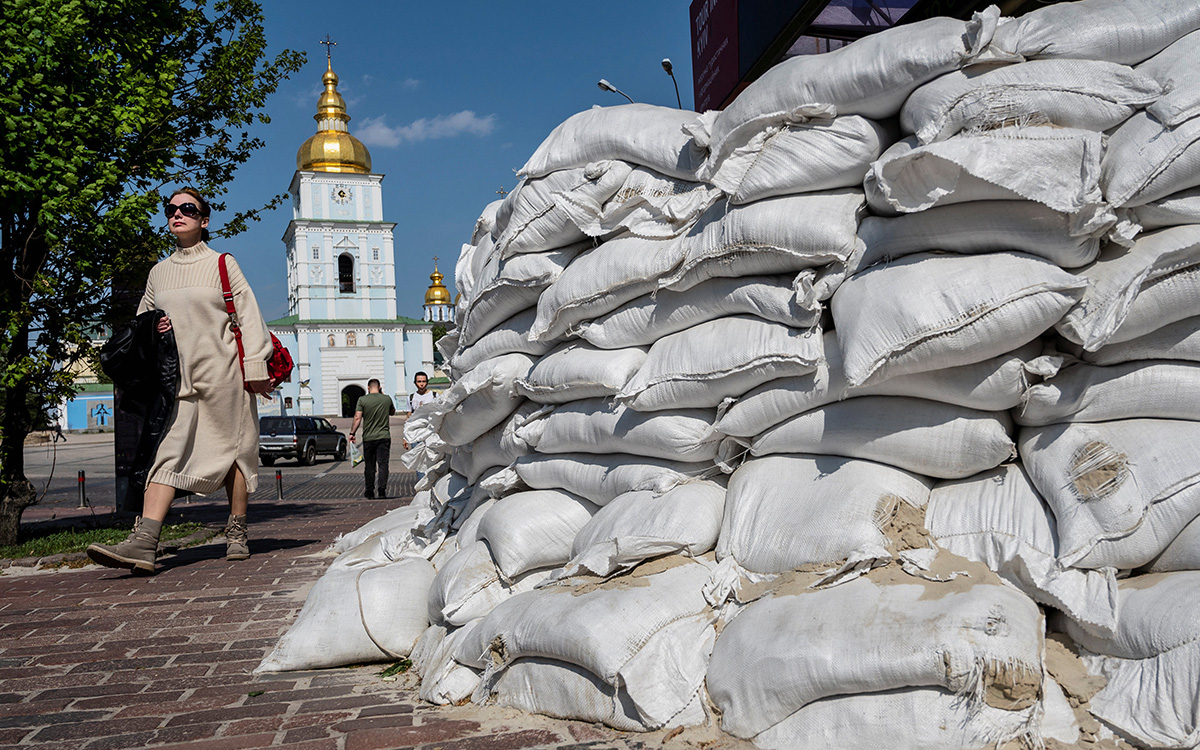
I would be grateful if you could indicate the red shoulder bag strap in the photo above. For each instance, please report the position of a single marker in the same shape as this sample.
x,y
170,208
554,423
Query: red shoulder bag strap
x,y
227,295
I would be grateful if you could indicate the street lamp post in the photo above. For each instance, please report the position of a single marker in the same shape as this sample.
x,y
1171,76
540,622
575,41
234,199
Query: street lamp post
x,y
606,86
666,63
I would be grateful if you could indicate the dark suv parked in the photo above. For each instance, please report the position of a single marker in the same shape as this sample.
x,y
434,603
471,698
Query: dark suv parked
x,y
301,438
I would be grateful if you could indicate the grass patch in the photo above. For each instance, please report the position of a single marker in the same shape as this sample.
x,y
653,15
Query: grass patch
x,y
396,668
63,541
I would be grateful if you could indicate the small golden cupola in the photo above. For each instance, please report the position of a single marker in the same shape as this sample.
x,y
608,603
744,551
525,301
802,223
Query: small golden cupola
x,y
333,149
439,308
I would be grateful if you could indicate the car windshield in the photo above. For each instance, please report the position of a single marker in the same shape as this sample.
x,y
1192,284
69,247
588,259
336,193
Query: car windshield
x,y
278,425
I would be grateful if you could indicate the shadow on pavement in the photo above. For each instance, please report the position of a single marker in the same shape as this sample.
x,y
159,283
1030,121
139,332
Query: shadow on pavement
x,y
216,551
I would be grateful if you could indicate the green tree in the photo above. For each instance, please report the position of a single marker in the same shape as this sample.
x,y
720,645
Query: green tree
x,y
105,104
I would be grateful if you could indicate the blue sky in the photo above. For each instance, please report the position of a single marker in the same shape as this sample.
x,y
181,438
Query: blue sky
x,y
451,98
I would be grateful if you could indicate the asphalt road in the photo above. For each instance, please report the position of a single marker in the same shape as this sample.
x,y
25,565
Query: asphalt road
x,y
54,468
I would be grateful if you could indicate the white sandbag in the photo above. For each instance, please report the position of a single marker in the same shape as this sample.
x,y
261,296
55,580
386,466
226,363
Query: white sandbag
x,y
981,227
1120,491
537,221
803,158
451,488
1158,389
997,518
1183,553
1059,167
603,478
930,311
1084,94
447,345
1152,663
510,337
1134,291
468,586
597,426
1174,68
1175,209
926,437
788,512
786,234
597,626
979,638
409,516
1147,160
642,524
356,615
565,691
444,682
486,224
472,261
474,404
647,205
515,286
1179,341
528,530
499,446
468,528
1121,31
903,719
575,370
994,384
871,77
664,679
601,280
712,361
645,320
400,542
643,134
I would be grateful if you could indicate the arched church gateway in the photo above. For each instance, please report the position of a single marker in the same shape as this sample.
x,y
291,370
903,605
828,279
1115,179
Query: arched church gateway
x,y
350,396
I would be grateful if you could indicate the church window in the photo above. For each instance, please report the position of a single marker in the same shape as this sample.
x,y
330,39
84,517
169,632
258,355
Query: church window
x,y
316,252
346,273
351,339
374,253
370,339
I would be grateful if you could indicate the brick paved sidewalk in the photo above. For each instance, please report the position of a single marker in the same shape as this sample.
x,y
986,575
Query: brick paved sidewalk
x,y
102,660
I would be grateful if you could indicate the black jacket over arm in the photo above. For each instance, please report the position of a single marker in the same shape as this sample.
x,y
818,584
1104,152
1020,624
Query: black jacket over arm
x,y
144,365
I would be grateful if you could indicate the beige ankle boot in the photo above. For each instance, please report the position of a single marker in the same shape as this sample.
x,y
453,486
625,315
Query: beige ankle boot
x,y
136,553
237,540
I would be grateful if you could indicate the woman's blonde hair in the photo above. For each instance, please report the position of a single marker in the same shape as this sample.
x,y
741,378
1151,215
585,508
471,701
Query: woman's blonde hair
x,y
205,209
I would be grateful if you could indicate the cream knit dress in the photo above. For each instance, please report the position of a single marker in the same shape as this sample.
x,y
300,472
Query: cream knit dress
x,y
215,421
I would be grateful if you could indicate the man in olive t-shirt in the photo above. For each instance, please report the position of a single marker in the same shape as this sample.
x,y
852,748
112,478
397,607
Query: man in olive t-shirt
x,y
372,412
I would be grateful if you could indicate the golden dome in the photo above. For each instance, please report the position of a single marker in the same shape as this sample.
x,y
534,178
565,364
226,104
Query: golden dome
x,y
333,149
438,294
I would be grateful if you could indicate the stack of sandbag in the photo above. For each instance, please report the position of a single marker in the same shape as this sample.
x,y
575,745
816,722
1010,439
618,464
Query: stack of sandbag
x,y
810,414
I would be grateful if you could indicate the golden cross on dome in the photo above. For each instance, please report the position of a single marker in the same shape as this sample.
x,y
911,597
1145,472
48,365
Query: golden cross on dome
x,y
501,192
435,261
329,45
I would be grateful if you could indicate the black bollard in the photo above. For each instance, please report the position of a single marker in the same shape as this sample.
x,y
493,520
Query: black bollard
x,y
278,485
83,502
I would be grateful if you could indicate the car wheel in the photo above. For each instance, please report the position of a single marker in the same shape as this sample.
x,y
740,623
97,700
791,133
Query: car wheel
x,y
340,454
310,455
267,460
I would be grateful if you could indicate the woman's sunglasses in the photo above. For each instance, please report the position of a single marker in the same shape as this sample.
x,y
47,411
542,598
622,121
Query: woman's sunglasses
x,y
190,210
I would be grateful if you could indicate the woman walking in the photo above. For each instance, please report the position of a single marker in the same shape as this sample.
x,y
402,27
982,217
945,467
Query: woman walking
x,y
212,437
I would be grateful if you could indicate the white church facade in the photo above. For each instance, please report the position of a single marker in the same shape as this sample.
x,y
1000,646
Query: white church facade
x,y
343,326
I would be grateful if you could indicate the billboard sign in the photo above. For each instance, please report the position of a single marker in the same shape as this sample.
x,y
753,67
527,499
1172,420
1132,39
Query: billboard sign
x,y
714,51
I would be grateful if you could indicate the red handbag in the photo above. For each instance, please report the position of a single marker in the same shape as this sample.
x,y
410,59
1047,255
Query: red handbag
x,y
279,364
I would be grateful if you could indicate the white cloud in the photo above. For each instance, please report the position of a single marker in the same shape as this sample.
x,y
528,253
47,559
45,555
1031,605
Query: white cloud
x,y
374,131
411,83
